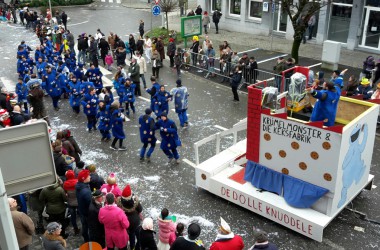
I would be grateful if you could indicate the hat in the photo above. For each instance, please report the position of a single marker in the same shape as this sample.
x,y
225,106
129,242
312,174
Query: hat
x,y
259,235
111,179
52,227
91,168
196,38
164,114
127,192
178,82
97,193
83,175
148,111
147,224
224,227
70,175
365,81
193,231
171,40
378,85
3,112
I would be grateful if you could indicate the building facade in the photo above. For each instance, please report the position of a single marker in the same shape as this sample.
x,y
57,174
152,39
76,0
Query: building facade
x,y
354,23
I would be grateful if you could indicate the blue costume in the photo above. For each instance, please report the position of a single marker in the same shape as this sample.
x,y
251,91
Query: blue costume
x,y
364,90
147,136
85,87
130,97
152,91
180,96
75,95
38,54
63,82
52,87
90,112
325,107
161,102
117,124
41,68
170,139
22,94
104,117
95,76
79,72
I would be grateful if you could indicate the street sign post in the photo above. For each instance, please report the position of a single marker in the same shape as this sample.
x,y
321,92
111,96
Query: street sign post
x,y
156,10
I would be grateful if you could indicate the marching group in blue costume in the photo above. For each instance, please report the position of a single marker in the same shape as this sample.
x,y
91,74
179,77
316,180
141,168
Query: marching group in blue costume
x,y
61,76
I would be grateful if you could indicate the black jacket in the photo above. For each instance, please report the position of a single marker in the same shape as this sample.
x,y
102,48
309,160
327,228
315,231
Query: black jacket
x,y
96,181
132,209
183,244
95,228
236,79
82,44
64,18
60,164
104,46
145,239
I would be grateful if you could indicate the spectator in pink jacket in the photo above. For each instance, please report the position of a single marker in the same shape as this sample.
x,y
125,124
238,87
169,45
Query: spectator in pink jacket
x,y
109,61
115,224
165,227
111,186
178,232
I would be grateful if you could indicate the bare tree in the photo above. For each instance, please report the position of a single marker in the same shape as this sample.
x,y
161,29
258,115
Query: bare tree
x,y
166,7
299,12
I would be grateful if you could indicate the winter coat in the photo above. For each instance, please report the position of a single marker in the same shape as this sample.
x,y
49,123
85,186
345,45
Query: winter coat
x,y
169,138
104,47
69,187
142,64
134,70
53,242
96,181
205,20
84,197
111,188
180,95
236,79
170,51
145,239
104,118
195,47
73,142
161,102
96,229
132,43
216,16
117,125
17,118
115,225
54,198
60,163
325,107
364,90
160,49
235,242
132,209
184,243
265,246
82,44
91,100
121,55
147,133
172,238
166,227
21,91
74,92
24,227
109,60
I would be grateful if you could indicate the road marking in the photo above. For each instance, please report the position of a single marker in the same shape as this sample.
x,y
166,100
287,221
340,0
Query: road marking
x,y
107,82
315,65
272,58
248,51
104,71
192,164
74,24
9,85
145,99
220,127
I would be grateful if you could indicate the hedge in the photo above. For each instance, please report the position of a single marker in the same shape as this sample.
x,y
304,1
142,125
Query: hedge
x,y
39,3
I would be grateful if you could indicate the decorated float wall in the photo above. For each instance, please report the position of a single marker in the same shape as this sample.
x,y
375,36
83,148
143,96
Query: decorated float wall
x,y
355,156
310,153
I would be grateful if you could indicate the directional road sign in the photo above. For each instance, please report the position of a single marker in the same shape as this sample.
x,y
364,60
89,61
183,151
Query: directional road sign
x,y
156,10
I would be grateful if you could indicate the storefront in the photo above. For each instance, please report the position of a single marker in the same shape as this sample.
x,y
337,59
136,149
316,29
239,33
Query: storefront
x,y
354,23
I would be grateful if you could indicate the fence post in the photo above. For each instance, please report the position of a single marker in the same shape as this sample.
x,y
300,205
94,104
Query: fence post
x,y
196,153
217,143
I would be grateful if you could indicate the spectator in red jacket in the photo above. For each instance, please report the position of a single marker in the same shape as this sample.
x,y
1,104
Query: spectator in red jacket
x,y
69,187
226,239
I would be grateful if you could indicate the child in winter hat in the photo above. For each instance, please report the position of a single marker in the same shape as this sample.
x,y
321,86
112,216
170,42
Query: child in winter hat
x,y
111,186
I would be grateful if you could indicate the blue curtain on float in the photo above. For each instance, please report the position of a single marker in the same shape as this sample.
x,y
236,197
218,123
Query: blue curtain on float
x,y
263,177
301,194
297,193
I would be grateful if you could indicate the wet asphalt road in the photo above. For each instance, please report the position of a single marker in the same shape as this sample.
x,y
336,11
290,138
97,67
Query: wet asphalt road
x,y
173,186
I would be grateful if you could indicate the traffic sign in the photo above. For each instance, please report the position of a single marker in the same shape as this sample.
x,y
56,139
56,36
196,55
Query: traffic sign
x,y
157,2
156,10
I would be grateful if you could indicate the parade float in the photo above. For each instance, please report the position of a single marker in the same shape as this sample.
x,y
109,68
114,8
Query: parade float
x,y
297,173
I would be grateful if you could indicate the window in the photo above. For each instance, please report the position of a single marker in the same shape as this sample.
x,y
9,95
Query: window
x,y
216,5
235,7
339,22
255,9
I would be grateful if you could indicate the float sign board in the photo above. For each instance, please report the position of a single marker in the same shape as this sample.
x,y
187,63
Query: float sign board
x,y
191,26
26,158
